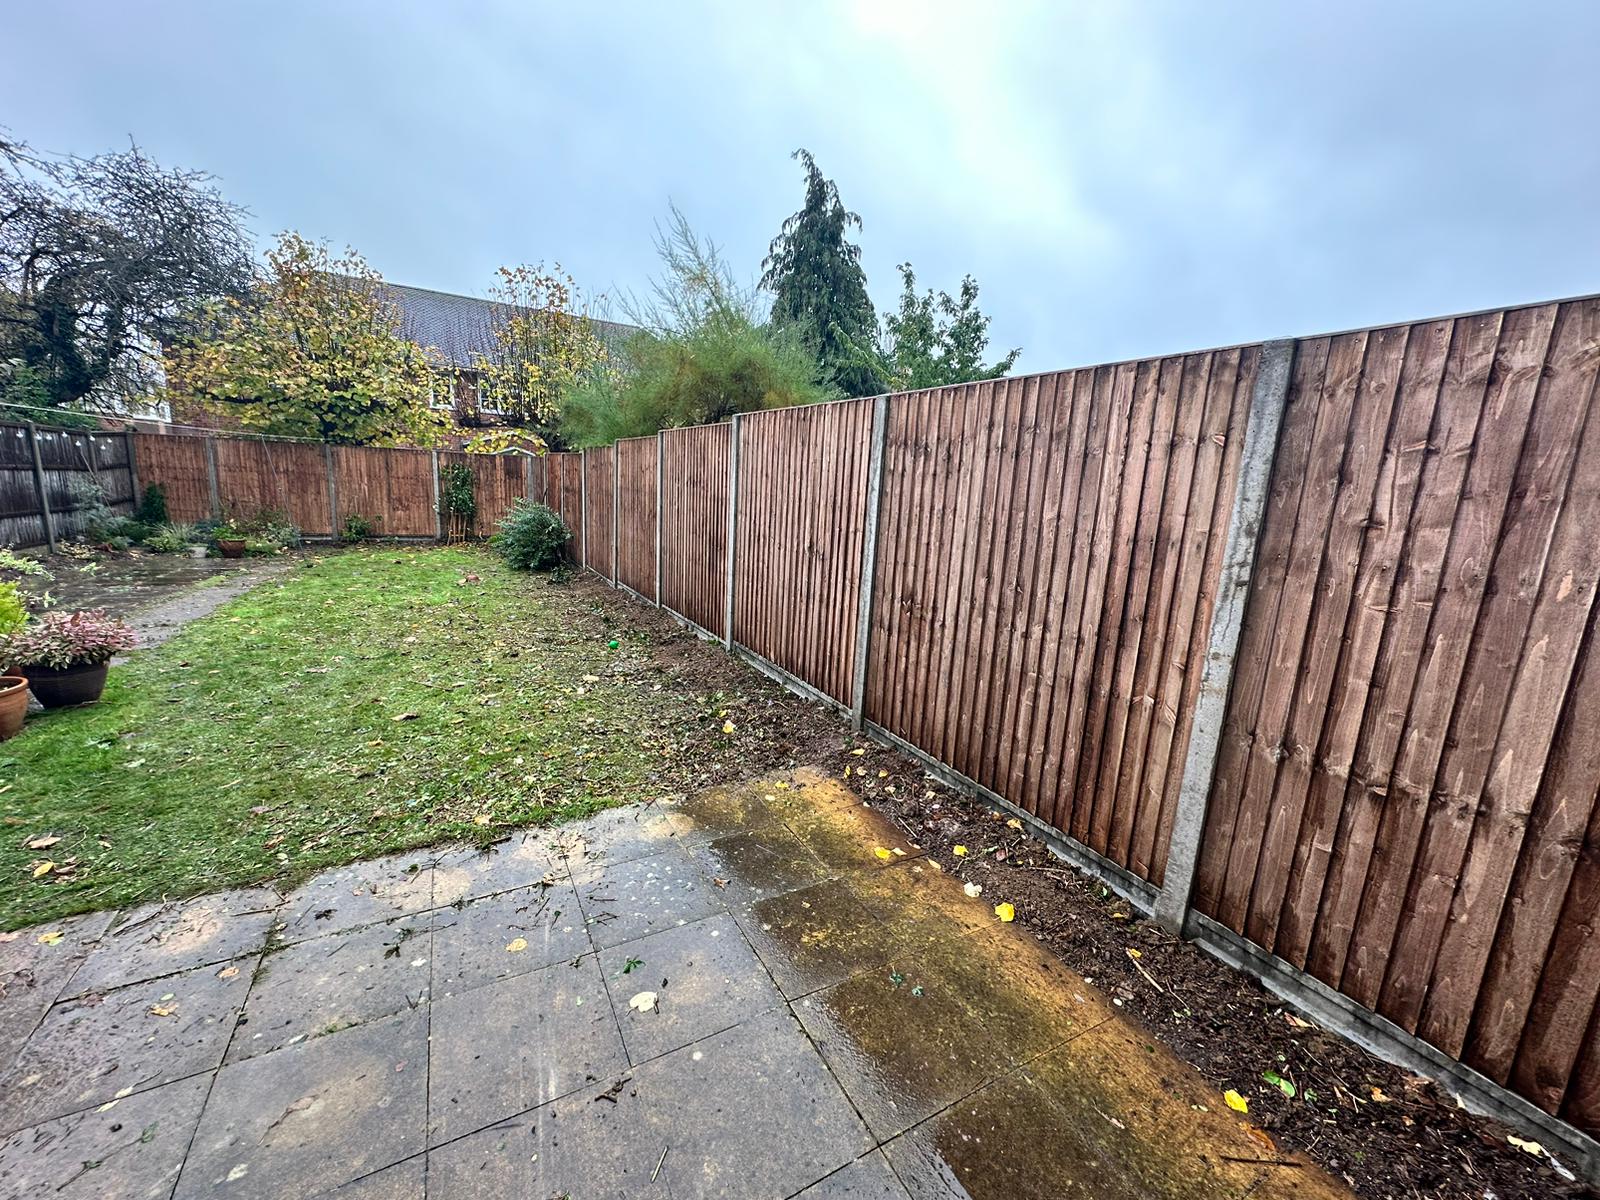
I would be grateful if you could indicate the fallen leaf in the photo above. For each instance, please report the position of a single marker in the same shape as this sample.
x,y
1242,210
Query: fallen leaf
x,y
959,851
407,716
882,853
517,945
227,972
161,1010
43,868
1279,1082
1235,1101
859,752
727,727
591,679
973,889
1013,823
1132,953
643,1002
43,843
481,819
1523,1144
49,939
1377,1095
1005,912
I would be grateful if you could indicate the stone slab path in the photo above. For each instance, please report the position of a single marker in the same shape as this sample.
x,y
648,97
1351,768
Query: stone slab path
x,y
761,992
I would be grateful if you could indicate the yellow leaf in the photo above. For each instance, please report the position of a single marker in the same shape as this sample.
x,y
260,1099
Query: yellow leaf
x,y
49,939
43,868
882,853
517,945
1377,1094
960,852
1014,823
1524,1144
858,753
1235,1101
481,819
1132,953
727,727
883,774
1005,912
161,1010
643,1002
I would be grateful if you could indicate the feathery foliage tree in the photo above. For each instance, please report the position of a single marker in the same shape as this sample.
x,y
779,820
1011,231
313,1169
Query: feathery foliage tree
x,y
819,290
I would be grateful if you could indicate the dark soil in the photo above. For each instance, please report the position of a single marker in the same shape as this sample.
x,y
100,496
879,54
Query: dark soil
x,y
1388,1134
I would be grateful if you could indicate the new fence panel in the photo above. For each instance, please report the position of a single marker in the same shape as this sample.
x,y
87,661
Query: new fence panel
x,y
256,474
599,506
565,482
636,515
1041,600
694,524
1404,801
179,465
797,565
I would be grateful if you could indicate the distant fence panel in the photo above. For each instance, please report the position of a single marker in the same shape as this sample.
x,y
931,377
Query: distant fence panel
x,y
636,518
499,480
1404,804
694,524
599,465
287,477
802,500
179,465
565,487
74,463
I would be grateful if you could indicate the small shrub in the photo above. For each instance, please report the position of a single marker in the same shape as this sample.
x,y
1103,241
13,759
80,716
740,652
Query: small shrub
x,y
458,504
531,536
153,507
268,526
10,560
59,640
123,529
358,529
13,611
174,539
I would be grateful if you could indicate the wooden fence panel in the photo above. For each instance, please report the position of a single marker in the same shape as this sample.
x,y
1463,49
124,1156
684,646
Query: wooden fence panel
x,y
178,464
411,511
694,524
1042,598
499,480
254,475
1404,803
75,463
636,516
598,509
802,504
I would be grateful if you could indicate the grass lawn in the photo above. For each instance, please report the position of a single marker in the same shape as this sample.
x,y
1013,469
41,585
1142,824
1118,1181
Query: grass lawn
x,y
364,702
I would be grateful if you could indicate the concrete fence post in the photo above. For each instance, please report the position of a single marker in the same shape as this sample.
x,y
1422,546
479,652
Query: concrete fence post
x,y
869,560
661,471
211,478
333,491
1227,618
39,488
438,502
733,523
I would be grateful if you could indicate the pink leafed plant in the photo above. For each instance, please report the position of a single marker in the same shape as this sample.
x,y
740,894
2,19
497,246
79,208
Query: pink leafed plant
x,y
60,640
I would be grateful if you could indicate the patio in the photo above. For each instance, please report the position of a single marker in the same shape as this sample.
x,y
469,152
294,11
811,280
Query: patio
x,y
762,991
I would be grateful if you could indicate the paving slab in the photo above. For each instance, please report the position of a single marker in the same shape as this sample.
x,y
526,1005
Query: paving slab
x,y
815,936
467,872
517,1044
35,967
169,936
704,976
404,1181
132,1149
619,835
360,894
849,837
95,1048
627,900
594,1144
329,983
752,1111
506,934
308,1118
869,1177
765,861
734,808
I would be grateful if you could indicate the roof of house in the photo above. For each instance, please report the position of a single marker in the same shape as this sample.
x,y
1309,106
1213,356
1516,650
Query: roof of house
x,y
462,327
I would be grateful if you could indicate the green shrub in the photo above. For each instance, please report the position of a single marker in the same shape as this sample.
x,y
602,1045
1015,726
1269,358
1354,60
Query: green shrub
x,y
13,611
358,529
153,507
123,529
174,539
531,536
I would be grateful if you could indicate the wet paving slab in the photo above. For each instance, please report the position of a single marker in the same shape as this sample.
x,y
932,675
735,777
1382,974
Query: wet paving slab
x,y
764,990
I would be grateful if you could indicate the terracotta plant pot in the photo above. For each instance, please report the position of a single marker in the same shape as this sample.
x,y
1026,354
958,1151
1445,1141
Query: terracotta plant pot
x,y
13,705
231,547
72,685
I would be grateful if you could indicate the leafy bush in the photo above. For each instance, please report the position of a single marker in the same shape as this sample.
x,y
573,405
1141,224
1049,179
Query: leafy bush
x,y
123,529
531,536
174,539
13,611
58,640
153,507
10,560
358,529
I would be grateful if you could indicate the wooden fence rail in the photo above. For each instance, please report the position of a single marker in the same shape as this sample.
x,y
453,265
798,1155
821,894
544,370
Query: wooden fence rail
x,y
1365,777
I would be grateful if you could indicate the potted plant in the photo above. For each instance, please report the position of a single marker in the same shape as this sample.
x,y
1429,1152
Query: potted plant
x,y
13,705
230,540
65,656
13,687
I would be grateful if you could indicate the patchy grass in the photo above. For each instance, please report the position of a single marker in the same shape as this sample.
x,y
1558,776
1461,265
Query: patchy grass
x,y
366,702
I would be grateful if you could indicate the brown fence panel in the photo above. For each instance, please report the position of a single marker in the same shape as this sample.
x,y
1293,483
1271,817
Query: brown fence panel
x,y
801,512
1404,795
257,475
411,511
74,464
598,508
564,472
636,515
178,464
498,482
1043,588
694,524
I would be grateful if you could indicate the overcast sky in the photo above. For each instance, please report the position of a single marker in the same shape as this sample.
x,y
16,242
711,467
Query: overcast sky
x,y
1122,180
